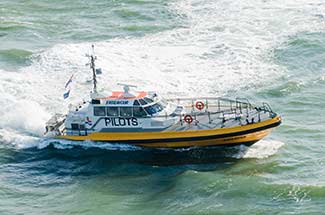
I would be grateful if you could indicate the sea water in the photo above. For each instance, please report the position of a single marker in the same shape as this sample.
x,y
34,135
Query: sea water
x,y
271,51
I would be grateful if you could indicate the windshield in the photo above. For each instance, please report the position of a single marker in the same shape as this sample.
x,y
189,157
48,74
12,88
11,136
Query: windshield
x,y
154,108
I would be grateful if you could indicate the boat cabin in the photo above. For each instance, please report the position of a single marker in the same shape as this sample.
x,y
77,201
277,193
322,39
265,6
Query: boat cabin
x,y
121,110
144,104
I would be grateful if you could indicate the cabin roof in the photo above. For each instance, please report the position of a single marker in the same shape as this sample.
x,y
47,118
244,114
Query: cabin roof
x,y
117,95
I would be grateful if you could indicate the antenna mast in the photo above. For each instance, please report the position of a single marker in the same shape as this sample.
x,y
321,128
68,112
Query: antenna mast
x,y
93,67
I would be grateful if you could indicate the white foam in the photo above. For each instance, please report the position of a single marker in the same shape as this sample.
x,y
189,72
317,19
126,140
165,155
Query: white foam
x,y
20,141
260,150
222,47
14,138
24,115
66,144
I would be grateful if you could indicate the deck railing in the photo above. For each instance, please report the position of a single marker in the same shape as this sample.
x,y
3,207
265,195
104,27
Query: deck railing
x,y
221,106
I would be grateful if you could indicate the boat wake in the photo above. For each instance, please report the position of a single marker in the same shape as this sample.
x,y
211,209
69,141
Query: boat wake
x,y
20,141
260,150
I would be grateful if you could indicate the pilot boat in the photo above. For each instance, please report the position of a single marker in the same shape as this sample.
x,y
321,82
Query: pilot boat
x,y
147,119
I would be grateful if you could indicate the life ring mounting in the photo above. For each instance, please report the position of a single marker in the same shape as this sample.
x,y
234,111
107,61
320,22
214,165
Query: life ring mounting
x,y
199,105
188,119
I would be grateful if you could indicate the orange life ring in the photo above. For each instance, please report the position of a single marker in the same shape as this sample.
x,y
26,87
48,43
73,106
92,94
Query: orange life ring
x,y
188,119
199,105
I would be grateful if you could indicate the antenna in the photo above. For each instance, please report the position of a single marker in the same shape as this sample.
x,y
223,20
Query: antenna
x,y
126,87
92,58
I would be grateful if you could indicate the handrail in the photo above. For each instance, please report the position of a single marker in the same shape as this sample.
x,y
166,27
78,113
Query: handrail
x,y
267,106
199,98
217,99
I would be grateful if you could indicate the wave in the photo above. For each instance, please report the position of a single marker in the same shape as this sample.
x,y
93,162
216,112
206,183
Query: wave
x,y
16,56
214,52
15,53
286,89
13,27
302,54
260,150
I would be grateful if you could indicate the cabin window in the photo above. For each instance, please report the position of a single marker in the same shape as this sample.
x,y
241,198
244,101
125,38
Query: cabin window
x,y
74,126
112,111
139,112
99,111
142,102
154,108
126,111
95,101
148,100
150,110
136,103
158,107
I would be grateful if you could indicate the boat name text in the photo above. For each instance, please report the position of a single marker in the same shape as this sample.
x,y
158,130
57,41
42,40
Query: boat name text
x,y
119,121
117,102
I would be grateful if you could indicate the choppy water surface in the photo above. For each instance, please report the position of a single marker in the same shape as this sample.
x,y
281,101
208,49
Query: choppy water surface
x,y
270,51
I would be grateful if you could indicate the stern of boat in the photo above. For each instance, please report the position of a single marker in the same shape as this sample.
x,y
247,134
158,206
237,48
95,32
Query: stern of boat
x,y
55,126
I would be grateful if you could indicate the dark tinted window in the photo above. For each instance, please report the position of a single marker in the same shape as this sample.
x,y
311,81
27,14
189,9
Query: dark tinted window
x,y
136,103
154,108
95,101
99,111
74,126
112,111
139,112
126,111
148,100
150,110
142,102
158,107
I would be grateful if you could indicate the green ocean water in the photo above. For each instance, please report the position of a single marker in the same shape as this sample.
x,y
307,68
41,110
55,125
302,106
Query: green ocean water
x,y
271,51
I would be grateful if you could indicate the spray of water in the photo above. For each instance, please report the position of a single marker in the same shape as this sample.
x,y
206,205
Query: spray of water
x,y
222,47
